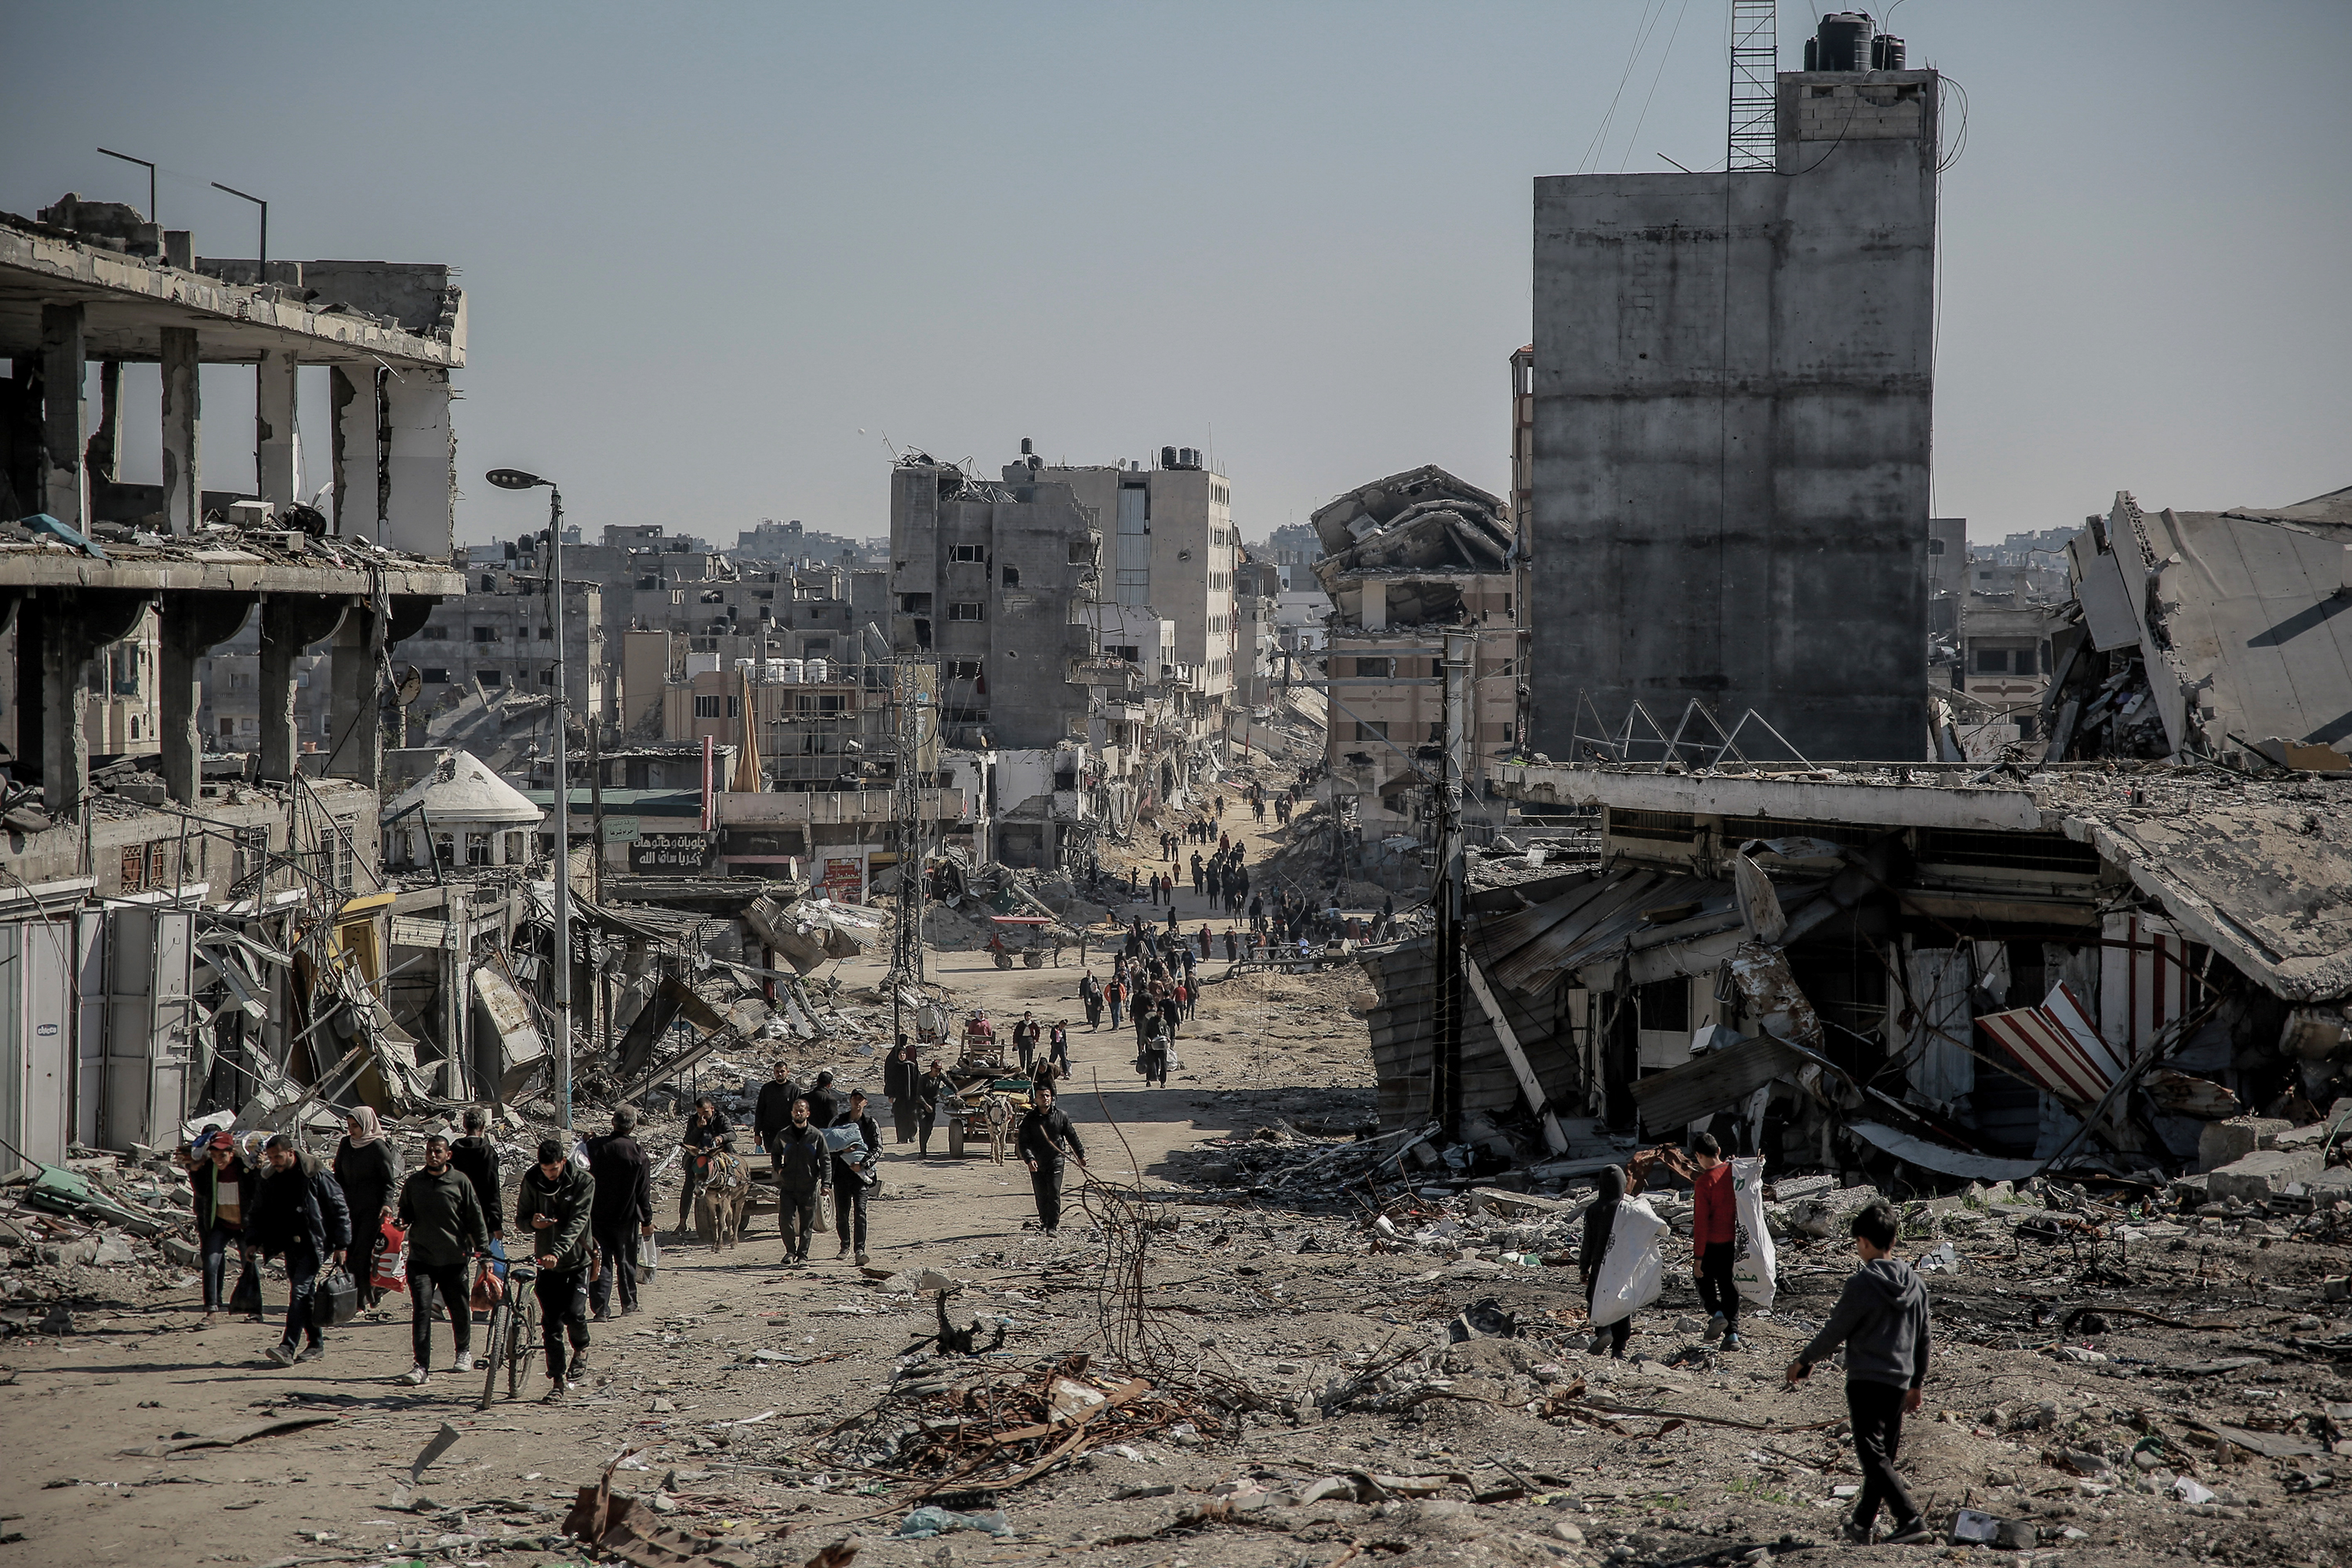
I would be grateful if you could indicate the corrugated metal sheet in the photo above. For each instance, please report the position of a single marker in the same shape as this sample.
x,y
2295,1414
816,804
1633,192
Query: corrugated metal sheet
x,y
1403,1029
1671,1099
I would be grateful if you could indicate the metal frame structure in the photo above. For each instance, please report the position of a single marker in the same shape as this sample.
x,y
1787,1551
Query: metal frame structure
x,y
1603,747
1752,137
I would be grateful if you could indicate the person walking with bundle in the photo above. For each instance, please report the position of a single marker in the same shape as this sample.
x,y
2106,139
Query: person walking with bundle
x,y
555,1202
854,1173
367,1169
1882,1319
447,1228
1599,1222
1045,1140
621,1213
1090,994
299,1214
1714,1238
221,1187
799,1155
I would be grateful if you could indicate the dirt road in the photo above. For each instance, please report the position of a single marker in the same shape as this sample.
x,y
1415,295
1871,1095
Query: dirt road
x,y
758,1400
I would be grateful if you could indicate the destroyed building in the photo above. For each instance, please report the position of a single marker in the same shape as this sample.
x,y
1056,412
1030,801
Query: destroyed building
x,y
228,917
1407,558
1943,974
997,580
2208,635
1732,386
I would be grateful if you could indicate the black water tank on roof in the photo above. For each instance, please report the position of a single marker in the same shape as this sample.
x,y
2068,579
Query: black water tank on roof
x,y
1167,457
1886,53
1844,39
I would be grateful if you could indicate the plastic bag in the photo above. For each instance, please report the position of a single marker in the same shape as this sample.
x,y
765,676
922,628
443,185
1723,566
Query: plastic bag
x,y
489,1290
1755,1273
648,1257
1631,1273
392,1261
823,1215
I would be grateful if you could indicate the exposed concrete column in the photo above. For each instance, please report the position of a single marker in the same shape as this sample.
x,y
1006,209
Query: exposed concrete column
x,y
357,706
192,623
104,454
275,444
70,627
353,394
420,463
65,492
184,483
289,624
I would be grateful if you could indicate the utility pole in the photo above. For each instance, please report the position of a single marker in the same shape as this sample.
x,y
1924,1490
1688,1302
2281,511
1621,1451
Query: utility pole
x,y
913,684
517,479
562,817
1445,1053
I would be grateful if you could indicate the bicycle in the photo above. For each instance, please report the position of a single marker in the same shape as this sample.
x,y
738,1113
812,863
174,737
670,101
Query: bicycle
x,y
514,1331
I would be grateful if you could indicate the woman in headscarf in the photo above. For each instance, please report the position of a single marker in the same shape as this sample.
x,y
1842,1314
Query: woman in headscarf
x,y
1599,1221
370,1172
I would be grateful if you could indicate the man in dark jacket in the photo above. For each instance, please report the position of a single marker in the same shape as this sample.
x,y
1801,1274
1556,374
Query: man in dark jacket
x,y
476,1158
801,1170
825,1102
553,1205
704,1129
1882,1321
855,1171
622,1212
1046,1138
446,1228
299,1213
773,1112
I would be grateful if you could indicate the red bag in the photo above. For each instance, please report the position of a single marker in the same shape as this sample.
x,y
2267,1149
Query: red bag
x,y
391,1261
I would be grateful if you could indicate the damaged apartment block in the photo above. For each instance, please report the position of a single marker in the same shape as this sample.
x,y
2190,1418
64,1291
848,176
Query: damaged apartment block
x,y
1405,559
1913,974
222,915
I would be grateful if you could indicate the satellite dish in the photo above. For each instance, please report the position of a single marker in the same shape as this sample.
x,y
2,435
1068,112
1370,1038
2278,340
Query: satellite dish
x,y
411,686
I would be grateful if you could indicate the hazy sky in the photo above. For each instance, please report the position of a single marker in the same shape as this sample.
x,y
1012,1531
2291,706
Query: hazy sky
x,y
715,253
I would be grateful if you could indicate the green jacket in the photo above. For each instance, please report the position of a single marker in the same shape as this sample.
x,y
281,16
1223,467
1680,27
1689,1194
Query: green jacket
x,y
566,1201
443,1217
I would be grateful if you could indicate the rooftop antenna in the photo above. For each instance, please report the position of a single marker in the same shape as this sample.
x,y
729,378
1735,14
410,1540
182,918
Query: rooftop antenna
x,y
1752,139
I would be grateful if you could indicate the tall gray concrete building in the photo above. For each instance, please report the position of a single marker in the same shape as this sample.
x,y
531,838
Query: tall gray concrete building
x,y
996,581
1733,376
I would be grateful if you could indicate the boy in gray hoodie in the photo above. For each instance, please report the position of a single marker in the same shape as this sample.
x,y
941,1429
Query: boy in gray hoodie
x,y
1882,1321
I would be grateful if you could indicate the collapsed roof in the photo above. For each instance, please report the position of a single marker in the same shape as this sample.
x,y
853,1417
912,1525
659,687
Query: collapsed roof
x,y
1422,521
2237,616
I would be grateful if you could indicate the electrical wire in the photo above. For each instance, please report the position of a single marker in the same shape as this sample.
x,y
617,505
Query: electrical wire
x,y
1665,54
1641,36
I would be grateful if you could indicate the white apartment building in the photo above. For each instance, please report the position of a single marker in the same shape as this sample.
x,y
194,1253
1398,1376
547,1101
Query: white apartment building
x,y
1170,546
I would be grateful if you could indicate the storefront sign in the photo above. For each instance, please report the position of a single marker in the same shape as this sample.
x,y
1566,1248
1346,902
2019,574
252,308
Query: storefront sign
x,y
844,880
671,854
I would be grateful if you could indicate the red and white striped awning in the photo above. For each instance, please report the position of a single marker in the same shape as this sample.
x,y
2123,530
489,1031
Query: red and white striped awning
x,y
2057,1046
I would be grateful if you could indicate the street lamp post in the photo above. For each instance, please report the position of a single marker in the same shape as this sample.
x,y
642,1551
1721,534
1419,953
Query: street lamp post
x,y
516,479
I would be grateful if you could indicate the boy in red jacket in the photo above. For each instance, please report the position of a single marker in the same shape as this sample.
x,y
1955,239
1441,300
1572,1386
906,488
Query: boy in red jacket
x,y
1714,1240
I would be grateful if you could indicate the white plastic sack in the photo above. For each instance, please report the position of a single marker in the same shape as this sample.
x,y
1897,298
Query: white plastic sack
x,y
1754,1272
1631,1272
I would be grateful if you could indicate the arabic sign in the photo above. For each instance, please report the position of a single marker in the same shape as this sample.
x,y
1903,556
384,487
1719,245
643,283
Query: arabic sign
x,y
844,880
669,854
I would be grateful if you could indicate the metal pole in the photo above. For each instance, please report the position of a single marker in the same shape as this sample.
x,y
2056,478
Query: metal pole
x,y
1446,1074
563,819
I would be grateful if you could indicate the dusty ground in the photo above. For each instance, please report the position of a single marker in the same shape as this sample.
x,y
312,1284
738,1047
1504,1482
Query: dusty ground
x,y
1729,1468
